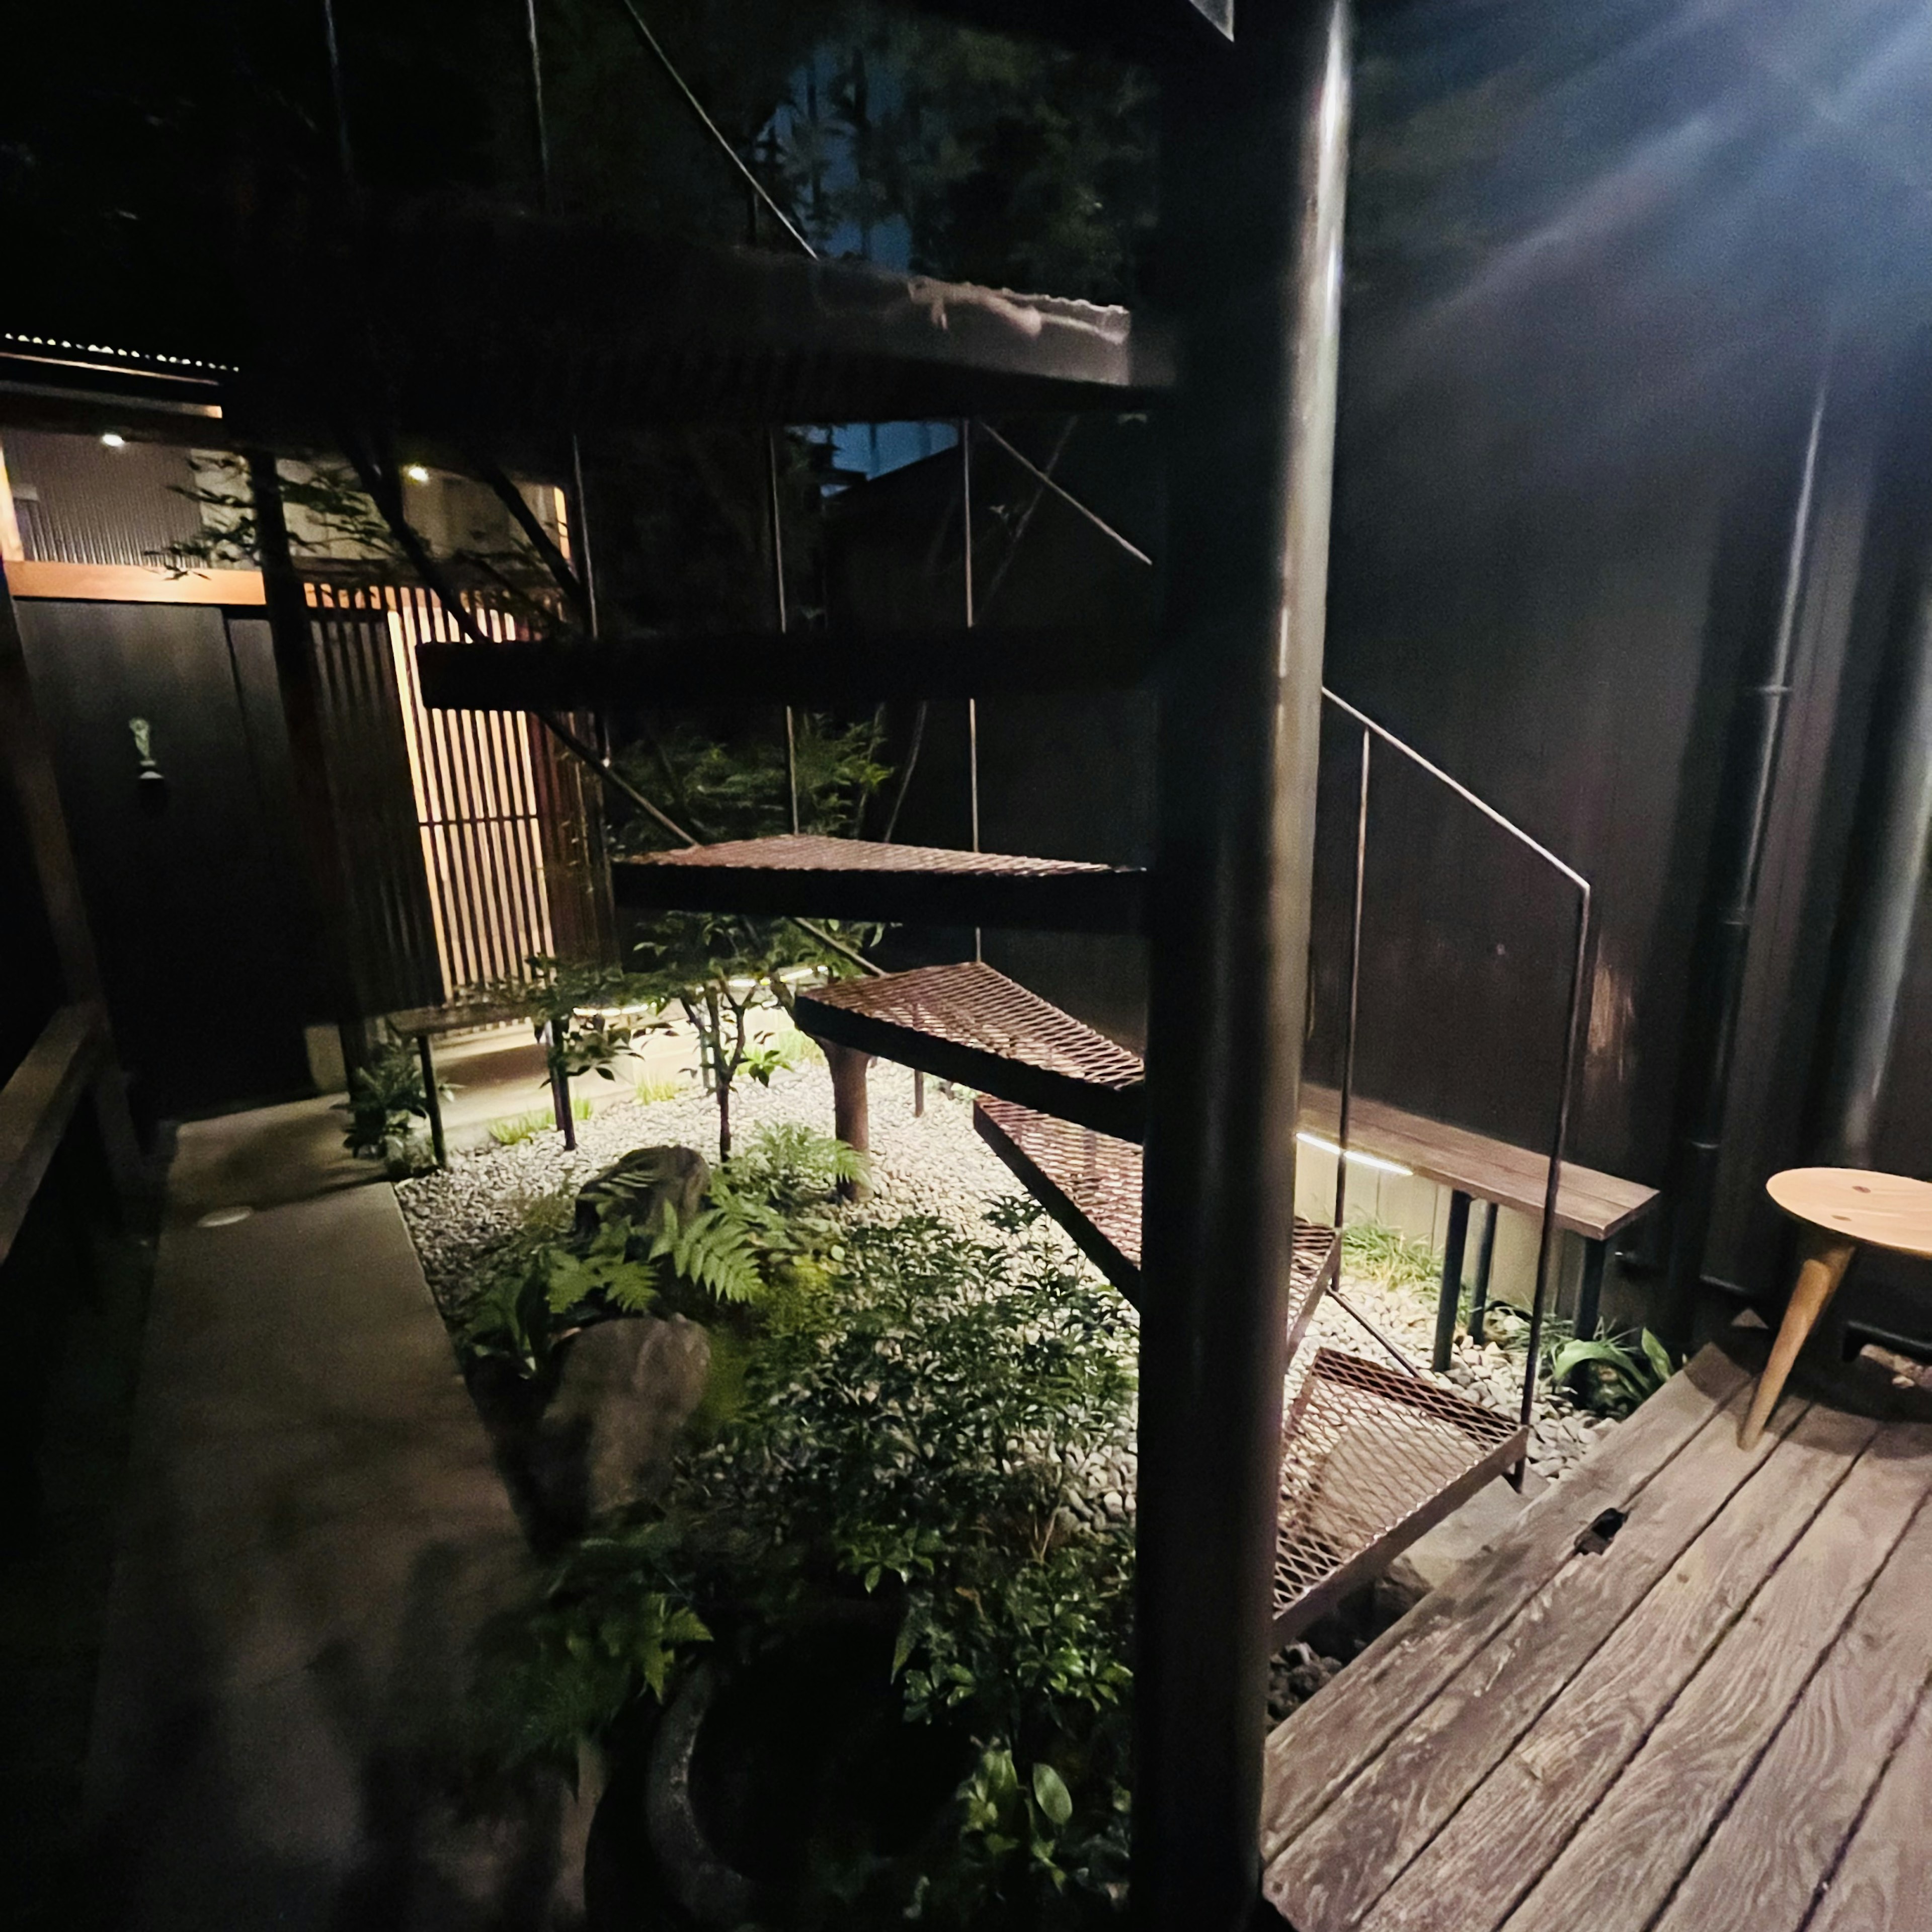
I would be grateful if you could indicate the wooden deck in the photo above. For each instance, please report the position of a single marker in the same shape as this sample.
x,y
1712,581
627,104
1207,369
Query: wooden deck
x,y
1720,1721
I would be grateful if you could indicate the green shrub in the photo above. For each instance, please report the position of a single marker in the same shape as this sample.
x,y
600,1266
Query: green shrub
x,y
386,1100
513,1129
912,1427
1373,1249
768,1219
1611,1377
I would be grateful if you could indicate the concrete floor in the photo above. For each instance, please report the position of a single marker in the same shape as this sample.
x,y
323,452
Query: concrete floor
x,y
313,1529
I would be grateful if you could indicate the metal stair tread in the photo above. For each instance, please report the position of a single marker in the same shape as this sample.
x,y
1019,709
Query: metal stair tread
x,y
861,879
969,1023
1090,1183
1371,1459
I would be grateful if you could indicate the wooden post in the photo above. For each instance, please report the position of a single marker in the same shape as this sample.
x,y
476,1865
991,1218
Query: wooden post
x,y
851,1118
290,633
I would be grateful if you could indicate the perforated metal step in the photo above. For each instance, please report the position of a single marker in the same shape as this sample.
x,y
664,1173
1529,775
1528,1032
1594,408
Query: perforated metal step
x,y
1371,1459
1090,1183
972,1025
853,878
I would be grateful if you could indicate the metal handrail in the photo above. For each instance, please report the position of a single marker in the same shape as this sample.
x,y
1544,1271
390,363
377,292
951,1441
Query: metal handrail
x,y
1547,1245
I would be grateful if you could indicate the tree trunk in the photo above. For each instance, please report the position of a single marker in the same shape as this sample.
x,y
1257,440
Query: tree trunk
x,y
851,1120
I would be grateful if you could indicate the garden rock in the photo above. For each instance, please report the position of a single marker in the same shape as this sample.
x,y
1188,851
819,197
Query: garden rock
x,y
624,1391
641,1182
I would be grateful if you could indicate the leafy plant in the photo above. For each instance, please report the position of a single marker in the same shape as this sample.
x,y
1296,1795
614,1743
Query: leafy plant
x,y
1374,1249
586,1017
768,1222
740,787
1613,1377
513,1129
332,522
915,1428
386,1100
589,1648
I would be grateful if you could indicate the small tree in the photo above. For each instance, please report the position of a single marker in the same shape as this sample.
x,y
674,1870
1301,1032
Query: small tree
x,y
578,1013
720,970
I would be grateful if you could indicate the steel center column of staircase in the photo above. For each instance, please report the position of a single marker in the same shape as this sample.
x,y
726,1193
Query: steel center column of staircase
x,y
1254,156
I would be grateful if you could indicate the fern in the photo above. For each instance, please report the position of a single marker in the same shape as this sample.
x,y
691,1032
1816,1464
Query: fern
x,y
789,1165
716,1249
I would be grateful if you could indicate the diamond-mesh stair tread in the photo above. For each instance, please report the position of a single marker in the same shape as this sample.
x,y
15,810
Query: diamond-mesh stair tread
x,y
1371,1459
972,1025
853,878
809,852
1090,1183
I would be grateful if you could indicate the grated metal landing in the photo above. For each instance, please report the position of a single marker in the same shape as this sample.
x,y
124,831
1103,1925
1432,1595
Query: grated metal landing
x,y
1371,1460
972,1025
858,879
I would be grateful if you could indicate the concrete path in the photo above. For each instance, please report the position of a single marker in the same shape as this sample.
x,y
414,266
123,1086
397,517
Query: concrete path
x,y
313,1530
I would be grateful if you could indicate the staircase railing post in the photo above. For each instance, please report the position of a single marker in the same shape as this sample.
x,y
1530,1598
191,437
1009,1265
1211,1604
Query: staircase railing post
x,y
1255,161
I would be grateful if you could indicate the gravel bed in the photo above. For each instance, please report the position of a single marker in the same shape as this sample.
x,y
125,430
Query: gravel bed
x,y
934,1164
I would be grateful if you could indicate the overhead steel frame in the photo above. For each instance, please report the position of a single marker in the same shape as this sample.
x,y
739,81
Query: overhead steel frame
x,y
1254,171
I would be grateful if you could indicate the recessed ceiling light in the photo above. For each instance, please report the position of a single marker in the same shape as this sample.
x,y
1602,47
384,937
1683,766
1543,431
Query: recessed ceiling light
x,y
416,473
115,441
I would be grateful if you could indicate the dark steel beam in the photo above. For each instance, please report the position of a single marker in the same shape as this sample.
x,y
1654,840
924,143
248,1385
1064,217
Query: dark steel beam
x,y
1254,154
616,674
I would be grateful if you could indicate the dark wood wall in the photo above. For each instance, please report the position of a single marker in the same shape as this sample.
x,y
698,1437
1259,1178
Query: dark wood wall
x,y
202,929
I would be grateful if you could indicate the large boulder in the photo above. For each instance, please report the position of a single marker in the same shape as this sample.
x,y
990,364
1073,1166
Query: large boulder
x,y
636,1186
625,1390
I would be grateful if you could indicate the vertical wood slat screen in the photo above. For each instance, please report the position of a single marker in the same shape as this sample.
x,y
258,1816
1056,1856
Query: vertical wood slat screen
x,y
392,939
480,813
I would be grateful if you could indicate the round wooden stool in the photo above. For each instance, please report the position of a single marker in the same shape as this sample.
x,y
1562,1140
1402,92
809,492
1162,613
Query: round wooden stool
x,y
1845,1208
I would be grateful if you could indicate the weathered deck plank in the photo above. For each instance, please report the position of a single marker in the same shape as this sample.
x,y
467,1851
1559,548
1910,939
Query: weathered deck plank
x,y
1618,1871
1762,1868
1518,1818
1881,1885
1314,1755
1343,1865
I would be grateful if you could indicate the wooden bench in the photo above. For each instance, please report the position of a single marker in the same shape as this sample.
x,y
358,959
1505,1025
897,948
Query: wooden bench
x,y
1473,1167
423,1024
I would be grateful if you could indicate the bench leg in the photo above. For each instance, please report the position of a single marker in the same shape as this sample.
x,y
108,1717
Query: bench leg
x,y
1826,1261
1479,1295
426,1058
1451,1292
1590,1289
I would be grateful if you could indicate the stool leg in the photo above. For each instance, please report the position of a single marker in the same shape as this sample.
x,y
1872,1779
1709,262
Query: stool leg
x,y
1824,1267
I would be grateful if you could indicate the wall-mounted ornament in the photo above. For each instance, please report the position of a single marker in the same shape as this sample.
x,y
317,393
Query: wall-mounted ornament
x,y
152,780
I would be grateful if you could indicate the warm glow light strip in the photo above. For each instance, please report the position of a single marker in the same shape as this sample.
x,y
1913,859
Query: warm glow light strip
x,y
1374,1160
